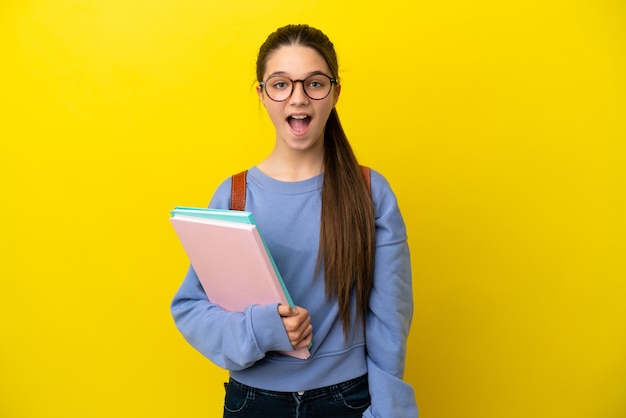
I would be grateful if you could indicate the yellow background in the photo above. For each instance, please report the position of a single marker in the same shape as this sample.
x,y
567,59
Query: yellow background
x,y
500,125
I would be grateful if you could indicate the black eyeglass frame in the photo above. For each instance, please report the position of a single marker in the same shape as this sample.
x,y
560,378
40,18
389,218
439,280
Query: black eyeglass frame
x,y
263,84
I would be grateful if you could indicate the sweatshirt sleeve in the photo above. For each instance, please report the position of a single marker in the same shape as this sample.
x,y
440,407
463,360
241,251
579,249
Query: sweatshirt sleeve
x,y
390,311
231,340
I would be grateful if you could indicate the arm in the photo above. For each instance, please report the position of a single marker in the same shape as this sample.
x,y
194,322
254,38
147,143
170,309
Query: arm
x,y
390,312
232,340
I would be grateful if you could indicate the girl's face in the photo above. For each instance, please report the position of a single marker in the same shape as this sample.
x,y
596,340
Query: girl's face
x,y
299,120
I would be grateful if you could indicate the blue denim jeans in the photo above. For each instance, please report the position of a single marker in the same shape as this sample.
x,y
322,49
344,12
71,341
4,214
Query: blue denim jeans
x,y
344,400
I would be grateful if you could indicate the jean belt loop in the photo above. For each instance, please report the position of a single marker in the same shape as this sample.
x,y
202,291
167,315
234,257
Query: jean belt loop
x,y
251,393
336,392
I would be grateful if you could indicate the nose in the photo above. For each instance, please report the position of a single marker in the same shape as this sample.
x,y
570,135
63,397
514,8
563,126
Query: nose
x,y
298,95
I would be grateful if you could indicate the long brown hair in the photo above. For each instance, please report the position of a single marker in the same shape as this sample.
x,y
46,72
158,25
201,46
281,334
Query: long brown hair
x,y
347,234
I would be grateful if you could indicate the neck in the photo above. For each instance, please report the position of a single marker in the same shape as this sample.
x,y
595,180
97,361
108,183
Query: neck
x,y
292,167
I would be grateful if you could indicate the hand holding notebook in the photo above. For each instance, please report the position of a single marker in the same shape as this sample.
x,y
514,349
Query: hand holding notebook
x,y
231,260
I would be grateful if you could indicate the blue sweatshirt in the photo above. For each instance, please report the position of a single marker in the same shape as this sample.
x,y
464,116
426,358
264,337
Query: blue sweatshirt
x,y
246,343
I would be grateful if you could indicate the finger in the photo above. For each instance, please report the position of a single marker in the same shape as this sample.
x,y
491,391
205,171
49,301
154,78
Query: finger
x,y
298,323
300,333
305,340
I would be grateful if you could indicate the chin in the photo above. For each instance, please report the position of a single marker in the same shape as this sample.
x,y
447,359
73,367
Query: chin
x,y
303,143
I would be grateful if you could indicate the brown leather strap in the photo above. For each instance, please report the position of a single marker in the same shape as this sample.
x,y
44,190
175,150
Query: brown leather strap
x,y
238,191
367,174
238,188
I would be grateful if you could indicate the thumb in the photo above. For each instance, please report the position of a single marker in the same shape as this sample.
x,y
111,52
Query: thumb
x,y
285,310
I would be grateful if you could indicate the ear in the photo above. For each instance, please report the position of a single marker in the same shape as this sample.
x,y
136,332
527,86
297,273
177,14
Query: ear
x,y
336,94
259,92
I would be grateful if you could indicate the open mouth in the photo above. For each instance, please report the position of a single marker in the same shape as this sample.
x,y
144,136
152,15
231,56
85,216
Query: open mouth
x,y
299,123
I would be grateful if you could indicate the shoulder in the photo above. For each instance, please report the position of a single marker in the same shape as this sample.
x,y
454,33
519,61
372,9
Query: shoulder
x,y
387,212
378,179
221,196
382,191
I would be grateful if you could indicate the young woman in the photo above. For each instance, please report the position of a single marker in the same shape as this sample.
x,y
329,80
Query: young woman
x,y
340,244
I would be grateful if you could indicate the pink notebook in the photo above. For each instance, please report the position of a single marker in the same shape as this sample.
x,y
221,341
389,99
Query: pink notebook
x,y
232,264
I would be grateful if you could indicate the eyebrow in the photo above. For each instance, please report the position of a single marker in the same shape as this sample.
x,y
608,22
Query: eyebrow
x,y
284,73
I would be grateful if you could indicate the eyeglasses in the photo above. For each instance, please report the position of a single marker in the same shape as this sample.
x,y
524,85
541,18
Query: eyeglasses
x,y
280,88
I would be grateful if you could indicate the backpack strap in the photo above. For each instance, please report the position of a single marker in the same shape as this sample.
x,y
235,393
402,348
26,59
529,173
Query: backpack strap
x,y
238,187
368,175
238,191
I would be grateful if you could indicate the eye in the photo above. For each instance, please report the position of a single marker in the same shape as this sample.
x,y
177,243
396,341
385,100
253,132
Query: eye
x,y
279,84
316,83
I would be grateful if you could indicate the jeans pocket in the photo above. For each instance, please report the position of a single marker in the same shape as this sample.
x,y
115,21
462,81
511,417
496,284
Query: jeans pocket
x,y
236,399
356,395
